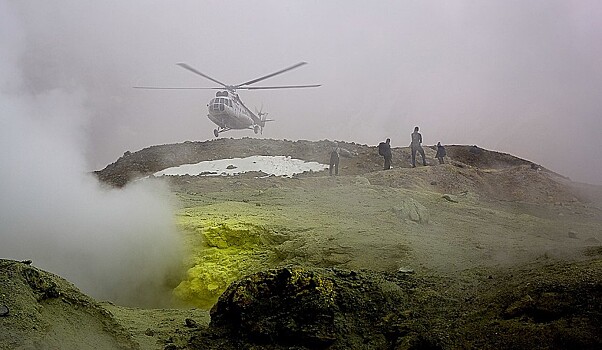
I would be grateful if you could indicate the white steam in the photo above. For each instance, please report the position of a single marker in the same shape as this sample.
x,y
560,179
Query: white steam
x,y
113,244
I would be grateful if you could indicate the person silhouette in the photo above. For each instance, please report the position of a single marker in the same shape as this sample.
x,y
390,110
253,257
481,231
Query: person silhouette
x,y
384,149
440,152
416,146
334,159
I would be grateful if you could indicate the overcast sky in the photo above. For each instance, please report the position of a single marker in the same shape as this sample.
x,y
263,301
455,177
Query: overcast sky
x,y
521,77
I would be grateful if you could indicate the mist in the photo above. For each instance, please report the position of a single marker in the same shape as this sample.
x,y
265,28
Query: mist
x,y
521,77
119,245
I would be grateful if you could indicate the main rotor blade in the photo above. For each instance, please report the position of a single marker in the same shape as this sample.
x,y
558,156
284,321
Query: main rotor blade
x,y
278,87
185,66
176,88
271,75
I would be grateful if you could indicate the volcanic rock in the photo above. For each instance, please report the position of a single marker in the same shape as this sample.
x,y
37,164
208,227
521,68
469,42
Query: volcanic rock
x,y
411,210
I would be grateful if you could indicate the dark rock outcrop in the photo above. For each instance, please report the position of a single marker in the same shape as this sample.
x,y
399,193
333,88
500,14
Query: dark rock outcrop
x,y
317,309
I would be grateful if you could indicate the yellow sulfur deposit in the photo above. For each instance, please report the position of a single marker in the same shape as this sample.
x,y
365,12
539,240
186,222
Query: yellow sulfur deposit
x,y
225,242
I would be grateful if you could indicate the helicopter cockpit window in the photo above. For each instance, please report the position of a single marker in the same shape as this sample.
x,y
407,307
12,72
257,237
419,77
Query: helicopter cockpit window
x,y
218,103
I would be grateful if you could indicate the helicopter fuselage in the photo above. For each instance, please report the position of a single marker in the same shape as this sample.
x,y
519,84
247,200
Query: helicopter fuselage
x,y
228,112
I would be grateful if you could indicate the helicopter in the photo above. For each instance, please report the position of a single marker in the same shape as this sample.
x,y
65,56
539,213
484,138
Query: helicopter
x,y
226,109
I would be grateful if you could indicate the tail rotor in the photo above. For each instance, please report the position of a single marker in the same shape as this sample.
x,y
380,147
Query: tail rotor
x,y
262,118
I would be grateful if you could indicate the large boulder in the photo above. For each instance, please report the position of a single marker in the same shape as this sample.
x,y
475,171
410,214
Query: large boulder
x,y
282,306
313,308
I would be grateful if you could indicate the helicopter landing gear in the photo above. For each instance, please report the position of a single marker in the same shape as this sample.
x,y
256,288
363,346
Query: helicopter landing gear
x,y
256,129
215,132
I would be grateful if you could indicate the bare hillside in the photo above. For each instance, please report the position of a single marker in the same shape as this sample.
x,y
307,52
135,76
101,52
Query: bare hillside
x,y
487,251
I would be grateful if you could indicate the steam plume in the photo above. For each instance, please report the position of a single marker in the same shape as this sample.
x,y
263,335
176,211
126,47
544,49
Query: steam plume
x,y
118,245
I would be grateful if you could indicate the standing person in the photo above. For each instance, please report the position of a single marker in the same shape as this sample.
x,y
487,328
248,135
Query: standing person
x,y
416,146
440,152
384,149
335,155
334,159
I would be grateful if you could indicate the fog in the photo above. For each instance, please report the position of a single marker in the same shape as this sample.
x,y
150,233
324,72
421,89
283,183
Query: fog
x,y
116,245
521,77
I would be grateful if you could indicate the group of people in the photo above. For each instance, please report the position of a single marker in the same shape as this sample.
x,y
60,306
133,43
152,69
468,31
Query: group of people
x,y
384,149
